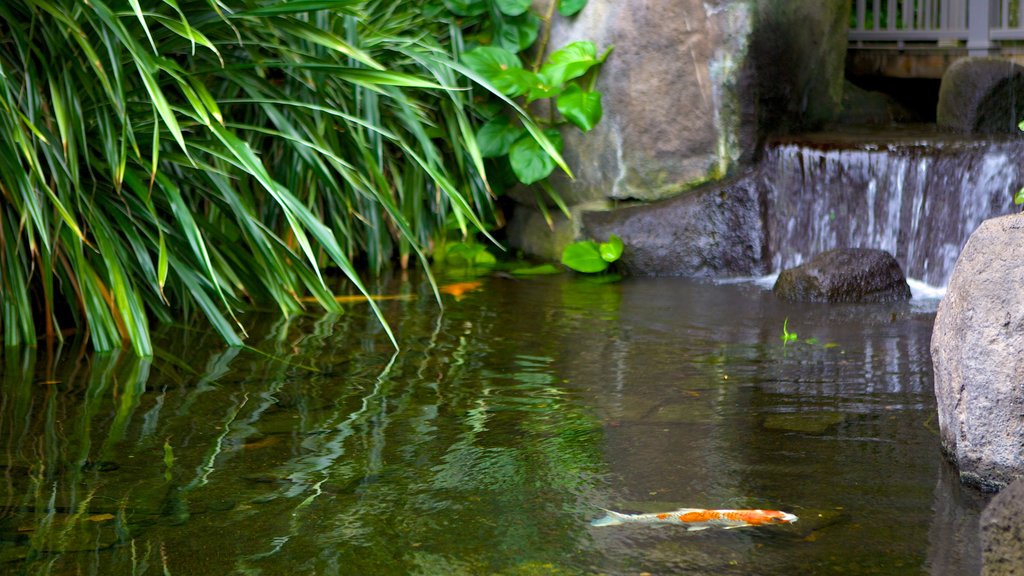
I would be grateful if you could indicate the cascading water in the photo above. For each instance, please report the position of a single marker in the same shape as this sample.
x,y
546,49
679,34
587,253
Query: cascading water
x,y
918,199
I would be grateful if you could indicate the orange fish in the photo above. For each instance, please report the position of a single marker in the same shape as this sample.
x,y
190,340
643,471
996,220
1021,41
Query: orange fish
x,y
460,289
700,519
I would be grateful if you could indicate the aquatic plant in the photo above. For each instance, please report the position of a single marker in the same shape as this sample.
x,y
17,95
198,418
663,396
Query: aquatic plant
x,y
208,157
590,257
787,336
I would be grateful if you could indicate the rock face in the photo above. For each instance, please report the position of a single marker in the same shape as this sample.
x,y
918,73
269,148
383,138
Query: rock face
x,y
1002,533
691,84
845,275
666,96
713,231
981,95
689,91
976,347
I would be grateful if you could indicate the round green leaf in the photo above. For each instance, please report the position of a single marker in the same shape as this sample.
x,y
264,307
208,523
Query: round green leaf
x,y
519,33
540,270
501,68
570,7
569,62
580,107
1018,198
529,161
497,136
466,7
584,257
612,249
513,7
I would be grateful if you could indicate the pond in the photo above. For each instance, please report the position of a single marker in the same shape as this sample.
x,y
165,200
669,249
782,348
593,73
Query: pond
x,y
487,445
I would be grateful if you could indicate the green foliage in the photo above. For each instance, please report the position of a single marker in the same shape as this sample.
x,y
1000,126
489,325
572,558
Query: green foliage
x,y
787,336
500,35
466,254
207,157
591,257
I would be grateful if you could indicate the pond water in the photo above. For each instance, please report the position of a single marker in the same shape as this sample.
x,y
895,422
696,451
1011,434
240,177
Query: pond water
x,y
491,441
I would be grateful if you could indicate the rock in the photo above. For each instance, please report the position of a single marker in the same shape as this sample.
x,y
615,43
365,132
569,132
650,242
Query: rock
x,y
528,231
798,56
669,97
981,95
976,354
711,232
1002,533
845,275
862,107
691,84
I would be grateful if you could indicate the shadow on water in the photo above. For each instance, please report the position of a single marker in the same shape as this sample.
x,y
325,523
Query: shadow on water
x,y
486,446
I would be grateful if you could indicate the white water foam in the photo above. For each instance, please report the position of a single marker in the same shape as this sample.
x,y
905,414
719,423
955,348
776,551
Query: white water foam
x,y
920,291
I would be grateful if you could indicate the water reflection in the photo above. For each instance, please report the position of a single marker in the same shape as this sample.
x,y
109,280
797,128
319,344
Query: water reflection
x,y
486,445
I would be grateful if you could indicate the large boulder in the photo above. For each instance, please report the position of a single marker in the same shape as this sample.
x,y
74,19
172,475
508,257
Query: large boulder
x,y
981,95
713,231
845,275
691,85
1002,533
668,96
976,347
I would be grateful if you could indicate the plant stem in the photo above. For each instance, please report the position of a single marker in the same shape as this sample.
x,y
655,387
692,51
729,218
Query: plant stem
x,y
546,36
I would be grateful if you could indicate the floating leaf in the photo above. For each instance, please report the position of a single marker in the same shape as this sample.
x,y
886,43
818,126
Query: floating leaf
x,y
612,249
570,7
541,270
580,107
497,136
584,257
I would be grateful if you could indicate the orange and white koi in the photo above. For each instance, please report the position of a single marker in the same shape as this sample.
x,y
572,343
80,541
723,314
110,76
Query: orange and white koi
x,y
700,519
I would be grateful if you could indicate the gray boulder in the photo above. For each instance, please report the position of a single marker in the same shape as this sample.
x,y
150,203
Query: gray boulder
x,y
1002,533
692,84
845,275
713,231
978,356
668,97
981,95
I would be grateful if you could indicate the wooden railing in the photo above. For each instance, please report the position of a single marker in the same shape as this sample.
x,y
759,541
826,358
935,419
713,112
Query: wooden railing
x,y
979,25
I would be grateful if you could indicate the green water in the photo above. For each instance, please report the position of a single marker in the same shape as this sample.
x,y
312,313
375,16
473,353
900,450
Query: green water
x,y
489,443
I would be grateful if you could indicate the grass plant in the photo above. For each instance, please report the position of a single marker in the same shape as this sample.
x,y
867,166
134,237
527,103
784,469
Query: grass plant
x,y
166,159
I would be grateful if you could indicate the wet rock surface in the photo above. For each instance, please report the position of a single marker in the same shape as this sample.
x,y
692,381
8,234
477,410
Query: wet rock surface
x,y
981,95
710,232
976,354
1002,532
845,275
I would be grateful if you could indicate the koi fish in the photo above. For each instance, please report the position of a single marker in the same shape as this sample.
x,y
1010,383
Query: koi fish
x,y
460,289
700,519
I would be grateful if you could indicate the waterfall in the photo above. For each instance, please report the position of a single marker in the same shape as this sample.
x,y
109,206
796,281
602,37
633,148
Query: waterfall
x,y
919,200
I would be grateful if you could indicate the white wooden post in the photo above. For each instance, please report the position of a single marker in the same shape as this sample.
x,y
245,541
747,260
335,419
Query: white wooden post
x,y
979,17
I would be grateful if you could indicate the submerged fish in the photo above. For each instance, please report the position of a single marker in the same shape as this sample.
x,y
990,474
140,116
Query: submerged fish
x,y
700,519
